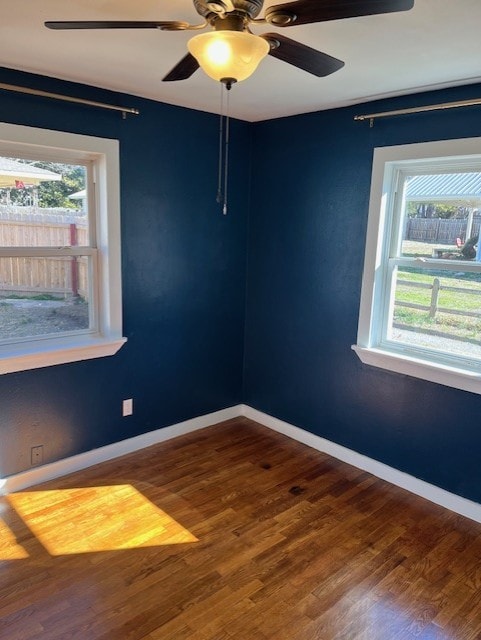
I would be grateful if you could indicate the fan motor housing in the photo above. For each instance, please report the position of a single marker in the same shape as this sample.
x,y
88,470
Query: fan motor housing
x,y
250,8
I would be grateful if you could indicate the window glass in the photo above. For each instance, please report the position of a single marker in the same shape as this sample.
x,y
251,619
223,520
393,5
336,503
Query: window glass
x,y
437,310
43,296
43,204
431,302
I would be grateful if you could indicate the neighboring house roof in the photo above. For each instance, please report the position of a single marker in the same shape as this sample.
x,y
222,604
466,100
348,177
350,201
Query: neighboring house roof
x,y
13,172
443,187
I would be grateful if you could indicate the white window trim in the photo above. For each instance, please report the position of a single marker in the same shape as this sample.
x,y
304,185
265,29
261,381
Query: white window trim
x,y
107,340
370,353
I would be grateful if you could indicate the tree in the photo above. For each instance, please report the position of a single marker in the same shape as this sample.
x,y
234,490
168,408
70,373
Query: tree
x,y
52,193
56,193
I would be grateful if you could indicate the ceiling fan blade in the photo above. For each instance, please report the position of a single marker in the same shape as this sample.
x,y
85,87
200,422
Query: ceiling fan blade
x,y
301,56
309,11
183,69
118,24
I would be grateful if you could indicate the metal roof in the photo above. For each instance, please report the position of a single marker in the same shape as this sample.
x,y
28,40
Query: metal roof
x,y
442,187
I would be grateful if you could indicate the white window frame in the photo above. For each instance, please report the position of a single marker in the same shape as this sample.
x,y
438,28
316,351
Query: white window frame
x,y
105,337
388,162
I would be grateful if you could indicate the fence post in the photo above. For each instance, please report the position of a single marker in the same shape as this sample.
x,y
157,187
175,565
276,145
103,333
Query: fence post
x,y
434,298
74,262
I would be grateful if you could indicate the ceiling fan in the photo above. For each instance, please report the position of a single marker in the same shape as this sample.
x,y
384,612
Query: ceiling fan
x,y
230,52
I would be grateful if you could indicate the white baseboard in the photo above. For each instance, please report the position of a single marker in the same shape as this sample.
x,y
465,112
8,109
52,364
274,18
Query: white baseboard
x,y
102,454
419,487
81,461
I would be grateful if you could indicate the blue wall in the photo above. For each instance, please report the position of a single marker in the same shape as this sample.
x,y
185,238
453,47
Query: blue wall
x,y
183,269
308,219
194,345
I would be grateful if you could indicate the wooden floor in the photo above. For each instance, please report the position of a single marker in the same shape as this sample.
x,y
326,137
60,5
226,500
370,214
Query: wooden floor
x,y
234,532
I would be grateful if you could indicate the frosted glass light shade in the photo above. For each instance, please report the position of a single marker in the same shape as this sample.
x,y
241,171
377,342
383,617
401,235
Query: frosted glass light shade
x,y
228,54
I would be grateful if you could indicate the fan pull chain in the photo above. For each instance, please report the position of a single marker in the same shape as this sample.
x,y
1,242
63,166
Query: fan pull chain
x,y
224,135
221,137
226,154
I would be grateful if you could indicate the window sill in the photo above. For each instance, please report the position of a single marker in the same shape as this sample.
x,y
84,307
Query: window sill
x,y
458,378
48,352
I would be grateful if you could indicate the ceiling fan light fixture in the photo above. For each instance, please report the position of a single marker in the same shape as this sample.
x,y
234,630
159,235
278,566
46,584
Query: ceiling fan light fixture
x,y
228,54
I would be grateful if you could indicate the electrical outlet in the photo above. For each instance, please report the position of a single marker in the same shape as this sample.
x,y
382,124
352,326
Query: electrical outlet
x,y
36,455
127,407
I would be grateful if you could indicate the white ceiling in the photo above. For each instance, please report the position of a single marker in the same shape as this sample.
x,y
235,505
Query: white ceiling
x,y
436,44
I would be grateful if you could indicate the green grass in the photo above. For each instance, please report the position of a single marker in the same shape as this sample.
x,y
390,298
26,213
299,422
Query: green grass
x,y
446,298
413,249
462,328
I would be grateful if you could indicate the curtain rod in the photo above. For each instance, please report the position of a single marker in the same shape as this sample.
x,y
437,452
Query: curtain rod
x,y
432,107
58,96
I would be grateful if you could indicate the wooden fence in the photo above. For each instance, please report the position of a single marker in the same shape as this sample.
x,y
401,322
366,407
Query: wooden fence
x,y
65,276
444,231
433,308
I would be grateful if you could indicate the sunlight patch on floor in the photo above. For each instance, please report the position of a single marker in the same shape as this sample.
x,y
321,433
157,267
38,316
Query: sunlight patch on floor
x,y
92,519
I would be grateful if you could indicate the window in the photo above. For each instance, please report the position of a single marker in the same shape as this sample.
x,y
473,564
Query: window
x,y
60,285
420,310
